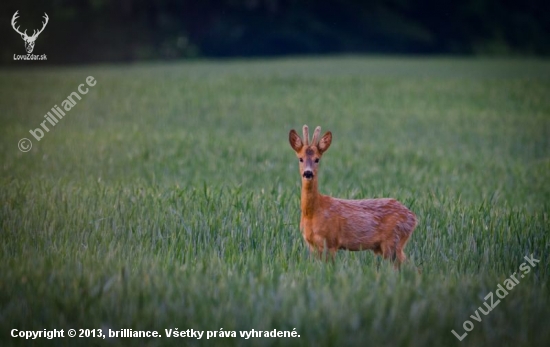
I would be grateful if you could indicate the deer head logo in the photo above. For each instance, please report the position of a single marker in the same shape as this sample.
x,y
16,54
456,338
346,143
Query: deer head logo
x,y
29,40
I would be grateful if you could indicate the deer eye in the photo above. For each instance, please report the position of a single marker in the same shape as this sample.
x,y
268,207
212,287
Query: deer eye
x,y
316,160
301,160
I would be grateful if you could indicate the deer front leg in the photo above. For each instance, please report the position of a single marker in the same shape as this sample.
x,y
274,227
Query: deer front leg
x,y
322,251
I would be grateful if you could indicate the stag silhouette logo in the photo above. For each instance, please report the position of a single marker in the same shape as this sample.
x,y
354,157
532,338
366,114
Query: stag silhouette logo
x,y
29,40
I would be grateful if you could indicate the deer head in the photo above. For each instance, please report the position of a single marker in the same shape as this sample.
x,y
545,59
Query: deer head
x,y
309,154
29,40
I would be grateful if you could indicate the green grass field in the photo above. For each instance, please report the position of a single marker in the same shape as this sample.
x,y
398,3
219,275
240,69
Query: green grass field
x,y
168,197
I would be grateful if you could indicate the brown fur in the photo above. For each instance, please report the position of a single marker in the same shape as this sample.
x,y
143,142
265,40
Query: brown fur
x,y
381,225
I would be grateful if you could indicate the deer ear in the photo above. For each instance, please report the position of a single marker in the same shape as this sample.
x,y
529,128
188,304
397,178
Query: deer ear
x,y
325,142
295,141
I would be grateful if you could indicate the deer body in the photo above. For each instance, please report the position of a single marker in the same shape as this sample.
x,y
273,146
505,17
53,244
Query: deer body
x,y
381,225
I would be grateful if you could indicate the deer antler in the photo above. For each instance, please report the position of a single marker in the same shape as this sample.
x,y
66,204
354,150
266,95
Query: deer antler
x,y
306,135
315,141
13,20
43,26
34,33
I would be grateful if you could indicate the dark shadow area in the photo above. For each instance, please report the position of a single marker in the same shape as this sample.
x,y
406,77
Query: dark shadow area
x,y
87,31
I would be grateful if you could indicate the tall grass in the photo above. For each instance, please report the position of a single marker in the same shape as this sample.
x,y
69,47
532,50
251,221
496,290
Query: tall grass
x,y
169,197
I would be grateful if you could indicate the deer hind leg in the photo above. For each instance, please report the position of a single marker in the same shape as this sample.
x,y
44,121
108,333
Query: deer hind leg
x,y
393,251
404,230
404,233
400,245
388,250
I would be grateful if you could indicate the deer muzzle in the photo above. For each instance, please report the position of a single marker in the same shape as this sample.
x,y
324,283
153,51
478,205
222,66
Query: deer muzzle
x,y
308,174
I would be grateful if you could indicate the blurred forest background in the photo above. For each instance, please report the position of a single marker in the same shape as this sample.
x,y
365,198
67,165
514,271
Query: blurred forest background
x,y
85,31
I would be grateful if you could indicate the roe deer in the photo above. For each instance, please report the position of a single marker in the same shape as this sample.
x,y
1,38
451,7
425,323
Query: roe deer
x,y
381,225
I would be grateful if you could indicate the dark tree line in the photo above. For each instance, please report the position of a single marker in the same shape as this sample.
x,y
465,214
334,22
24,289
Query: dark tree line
x,y
126,30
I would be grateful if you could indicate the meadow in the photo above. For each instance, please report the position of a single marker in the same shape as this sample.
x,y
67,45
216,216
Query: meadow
x,y
168,197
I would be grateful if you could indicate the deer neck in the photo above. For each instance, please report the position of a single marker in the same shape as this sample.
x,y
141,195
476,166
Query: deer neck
x,y
310,197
